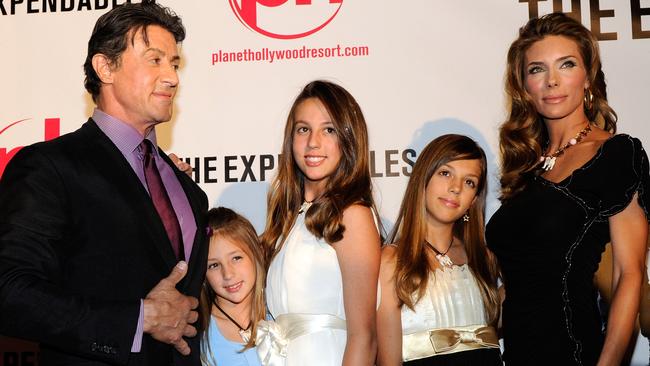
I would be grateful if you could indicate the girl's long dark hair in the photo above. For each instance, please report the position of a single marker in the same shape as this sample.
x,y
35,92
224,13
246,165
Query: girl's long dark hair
x,y
350,183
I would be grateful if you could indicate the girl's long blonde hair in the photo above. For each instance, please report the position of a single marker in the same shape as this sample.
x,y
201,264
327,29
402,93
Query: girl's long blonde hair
x,y
227,223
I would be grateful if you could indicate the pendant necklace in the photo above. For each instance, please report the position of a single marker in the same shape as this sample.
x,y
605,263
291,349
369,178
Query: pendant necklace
x,y
549,160
304,207
245,334
442,257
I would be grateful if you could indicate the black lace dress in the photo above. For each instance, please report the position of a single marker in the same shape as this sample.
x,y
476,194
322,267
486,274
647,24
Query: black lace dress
x,y
548,240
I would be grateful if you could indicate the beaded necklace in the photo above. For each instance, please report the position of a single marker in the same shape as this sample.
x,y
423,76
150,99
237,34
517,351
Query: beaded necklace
x,y
549,160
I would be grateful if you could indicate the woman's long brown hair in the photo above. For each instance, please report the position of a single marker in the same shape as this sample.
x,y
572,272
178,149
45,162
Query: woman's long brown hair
x,y
523,135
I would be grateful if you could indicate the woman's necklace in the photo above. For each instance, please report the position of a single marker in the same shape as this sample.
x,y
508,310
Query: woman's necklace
x,y
549,160
244,333
443,258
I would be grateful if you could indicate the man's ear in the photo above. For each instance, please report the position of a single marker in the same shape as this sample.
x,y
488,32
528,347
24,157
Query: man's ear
x,y
102,66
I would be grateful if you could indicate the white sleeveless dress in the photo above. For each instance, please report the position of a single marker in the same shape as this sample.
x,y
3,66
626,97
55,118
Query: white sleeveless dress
x,y
452,301
305,278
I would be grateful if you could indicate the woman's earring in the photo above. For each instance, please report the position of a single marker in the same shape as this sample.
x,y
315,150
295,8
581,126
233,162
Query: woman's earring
x,y
589,100
465,217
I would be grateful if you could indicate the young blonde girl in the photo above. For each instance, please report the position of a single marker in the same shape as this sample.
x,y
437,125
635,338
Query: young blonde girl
x,y
232,297
438,280
321,238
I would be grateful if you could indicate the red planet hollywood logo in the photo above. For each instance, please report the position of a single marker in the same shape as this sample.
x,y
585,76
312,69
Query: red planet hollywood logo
x,y
268,17
51,130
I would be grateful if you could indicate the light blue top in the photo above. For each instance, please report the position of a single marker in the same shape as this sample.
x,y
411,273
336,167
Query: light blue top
x,y
226,352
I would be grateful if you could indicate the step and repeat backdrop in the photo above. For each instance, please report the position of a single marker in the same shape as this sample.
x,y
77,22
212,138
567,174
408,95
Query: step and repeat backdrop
x,y
418,69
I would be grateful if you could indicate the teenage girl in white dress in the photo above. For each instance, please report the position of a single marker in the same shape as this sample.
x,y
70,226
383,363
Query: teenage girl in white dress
x,y
438,280
321,237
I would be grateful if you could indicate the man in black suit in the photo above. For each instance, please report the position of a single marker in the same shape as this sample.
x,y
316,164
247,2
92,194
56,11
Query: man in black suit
x,y
102,240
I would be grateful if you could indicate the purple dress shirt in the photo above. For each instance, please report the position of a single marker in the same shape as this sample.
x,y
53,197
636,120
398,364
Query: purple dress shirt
x,y
127,139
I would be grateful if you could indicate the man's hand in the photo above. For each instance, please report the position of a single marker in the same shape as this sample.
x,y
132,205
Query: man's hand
x,y
168,313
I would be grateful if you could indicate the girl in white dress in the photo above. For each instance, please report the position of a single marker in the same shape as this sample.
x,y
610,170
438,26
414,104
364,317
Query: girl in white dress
x,y
438,279
322,242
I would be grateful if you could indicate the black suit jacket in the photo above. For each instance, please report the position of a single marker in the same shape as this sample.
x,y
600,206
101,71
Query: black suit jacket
x,y
80,244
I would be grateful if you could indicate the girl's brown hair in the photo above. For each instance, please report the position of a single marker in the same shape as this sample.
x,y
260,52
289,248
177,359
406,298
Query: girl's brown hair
x,y
227,223
412,268
523,134
350,184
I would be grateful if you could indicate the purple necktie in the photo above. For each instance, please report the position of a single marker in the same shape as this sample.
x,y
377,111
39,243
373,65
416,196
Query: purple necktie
x,y
161,200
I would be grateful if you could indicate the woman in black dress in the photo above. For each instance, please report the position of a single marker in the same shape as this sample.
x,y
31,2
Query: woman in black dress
x,y
568,186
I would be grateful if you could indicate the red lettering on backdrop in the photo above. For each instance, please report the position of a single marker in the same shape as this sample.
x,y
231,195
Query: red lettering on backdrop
x,y
308,2
12,124
246,11
249,9
52,129
6,156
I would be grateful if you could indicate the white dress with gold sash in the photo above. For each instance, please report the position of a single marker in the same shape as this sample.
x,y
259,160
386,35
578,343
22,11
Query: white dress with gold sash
x,y
304,294
452,302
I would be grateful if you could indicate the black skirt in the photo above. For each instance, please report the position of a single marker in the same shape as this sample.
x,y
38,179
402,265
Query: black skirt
x,y
475,357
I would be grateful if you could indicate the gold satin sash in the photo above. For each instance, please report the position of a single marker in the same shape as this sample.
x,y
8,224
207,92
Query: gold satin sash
x,y
273,337
444,341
